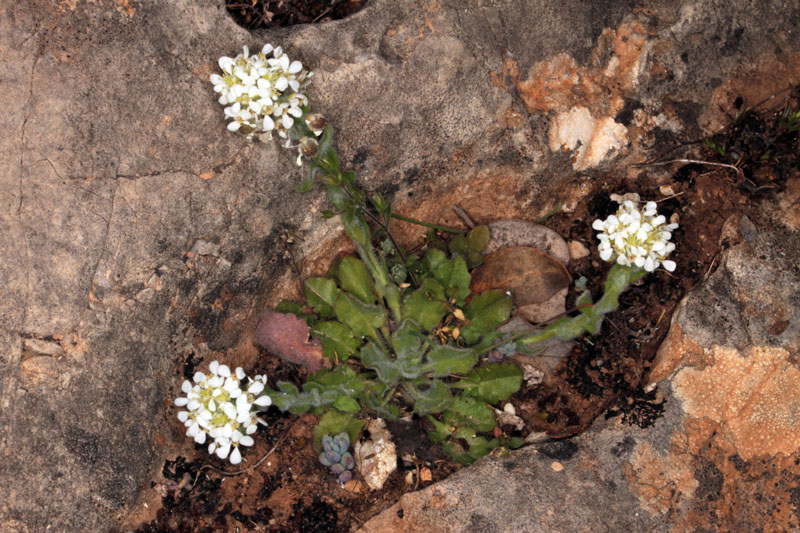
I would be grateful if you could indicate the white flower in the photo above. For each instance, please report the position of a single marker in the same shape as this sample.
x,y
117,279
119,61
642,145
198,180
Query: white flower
x,y
636,237
261,93
220,409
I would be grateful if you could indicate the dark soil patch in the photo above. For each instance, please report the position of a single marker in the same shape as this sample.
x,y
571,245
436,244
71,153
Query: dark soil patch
x,y
291,491
256,14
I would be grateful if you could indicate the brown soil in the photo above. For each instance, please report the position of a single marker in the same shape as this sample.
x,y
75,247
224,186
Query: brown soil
x,y
254,14
291,491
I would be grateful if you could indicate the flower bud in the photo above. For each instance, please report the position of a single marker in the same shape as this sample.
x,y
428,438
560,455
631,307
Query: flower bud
x,y
316,122
308,146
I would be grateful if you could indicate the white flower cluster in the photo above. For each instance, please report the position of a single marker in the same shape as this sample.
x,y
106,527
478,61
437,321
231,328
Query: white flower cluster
x,y
218,407
636,237
262,94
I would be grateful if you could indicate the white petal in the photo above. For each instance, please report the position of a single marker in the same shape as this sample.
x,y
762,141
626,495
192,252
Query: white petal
x,y
242,404
639,261
227,431
244,417
200,438
186,386
263,401
281,84
246,441
598,224
229,410
213,366
295,85
267,49
234,126
295,67
252,428
287,121
230,384
223,370
223,450
269,124
192,405
649,264
295,112
180,402
255,388
183,416
605,255
235,393
236,457
215,382
198,377
212,405
239,373
668,265
212,447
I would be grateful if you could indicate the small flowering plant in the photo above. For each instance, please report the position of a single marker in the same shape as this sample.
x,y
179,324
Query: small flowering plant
x,y
220,409
262,94
403,333
636,237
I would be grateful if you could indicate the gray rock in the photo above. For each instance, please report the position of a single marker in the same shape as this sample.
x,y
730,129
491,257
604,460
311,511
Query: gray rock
x,y
117,161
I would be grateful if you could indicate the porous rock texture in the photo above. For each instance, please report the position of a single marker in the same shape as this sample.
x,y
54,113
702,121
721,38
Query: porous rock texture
x,y
138,233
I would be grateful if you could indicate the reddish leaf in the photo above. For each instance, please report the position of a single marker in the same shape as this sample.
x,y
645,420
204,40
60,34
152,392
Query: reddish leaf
x,y
286,336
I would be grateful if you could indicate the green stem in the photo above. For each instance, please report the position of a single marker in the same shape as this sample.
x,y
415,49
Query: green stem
x,y
427,224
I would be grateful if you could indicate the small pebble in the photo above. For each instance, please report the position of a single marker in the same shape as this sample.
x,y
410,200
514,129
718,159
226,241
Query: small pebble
x,y
558,467
577,250
508,408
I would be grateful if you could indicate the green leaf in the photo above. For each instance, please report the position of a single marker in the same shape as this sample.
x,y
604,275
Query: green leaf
x,y
355,279
568,328
383,365
407,343
321,294
325,142
379,404
296,309
434,399
342,379
338,342
584,302
458,245
346,404
491,383
363,319
440,432
426,305
485,312
433,258
454,277
333,423
445,360
466,411
478,238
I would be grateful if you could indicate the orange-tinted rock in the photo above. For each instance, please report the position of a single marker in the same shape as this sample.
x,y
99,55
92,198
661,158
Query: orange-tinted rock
x,y
753,396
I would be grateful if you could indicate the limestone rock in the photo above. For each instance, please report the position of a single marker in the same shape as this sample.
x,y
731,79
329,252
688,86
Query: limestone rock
x,y
118,162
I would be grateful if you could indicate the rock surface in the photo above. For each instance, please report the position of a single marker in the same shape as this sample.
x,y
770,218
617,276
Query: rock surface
x,y
136,233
